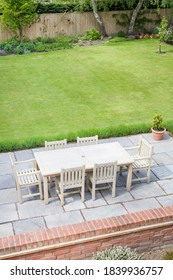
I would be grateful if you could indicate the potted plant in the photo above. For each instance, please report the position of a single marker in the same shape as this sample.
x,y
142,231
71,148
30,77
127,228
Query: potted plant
x,y
158,130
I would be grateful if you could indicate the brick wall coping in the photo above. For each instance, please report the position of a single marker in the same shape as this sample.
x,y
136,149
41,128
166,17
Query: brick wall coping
x,y
46,239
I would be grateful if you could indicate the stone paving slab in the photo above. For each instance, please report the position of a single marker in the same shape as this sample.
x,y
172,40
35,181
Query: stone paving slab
x,y
36,208
167,186
29,225
7,181
8,196
40,149
5,168
73,202
4,158
162,159
163,147
143,190
67,218
103,212
23,155
142,204
162,172
6,230
124,141
99,201
166,200
121,196
135,139
8,213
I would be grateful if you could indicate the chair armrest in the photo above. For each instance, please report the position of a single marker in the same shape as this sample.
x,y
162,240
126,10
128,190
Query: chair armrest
x,y
141,158
29,173
25,161
132,148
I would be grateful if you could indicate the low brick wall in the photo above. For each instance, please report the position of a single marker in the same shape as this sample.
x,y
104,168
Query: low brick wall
x,y
143,231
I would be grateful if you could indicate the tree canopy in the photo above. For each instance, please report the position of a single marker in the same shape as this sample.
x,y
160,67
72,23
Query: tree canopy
x,y
17,14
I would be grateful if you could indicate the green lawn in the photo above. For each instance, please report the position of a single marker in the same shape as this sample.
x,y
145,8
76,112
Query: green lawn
x,y
109,89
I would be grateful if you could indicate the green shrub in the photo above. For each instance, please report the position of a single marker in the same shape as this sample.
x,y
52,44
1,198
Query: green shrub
x,y
117,253
121,34
9,48
20,49
168,255
46,40
29,46
91,34
39,47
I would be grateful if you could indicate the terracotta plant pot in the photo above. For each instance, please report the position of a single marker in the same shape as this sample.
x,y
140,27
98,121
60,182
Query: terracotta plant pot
x,y
158,135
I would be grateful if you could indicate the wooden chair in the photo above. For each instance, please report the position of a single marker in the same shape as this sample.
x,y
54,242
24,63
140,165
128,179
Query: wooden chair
x,y
25,178
142,159
53,145
87,140
71,181
103,174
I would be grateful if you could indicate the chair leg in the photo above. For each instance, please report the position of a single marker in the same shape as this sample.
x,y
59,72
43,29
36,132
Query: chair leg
x,y
148,176
20,195
114,189
62,196
40,189
93,191
83,193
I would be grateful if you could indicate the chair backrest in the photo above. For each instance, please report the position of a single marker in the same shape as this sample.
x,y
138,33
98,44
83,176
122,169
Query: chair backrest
x,y
145,148
105,172
72,177
87,140
54,145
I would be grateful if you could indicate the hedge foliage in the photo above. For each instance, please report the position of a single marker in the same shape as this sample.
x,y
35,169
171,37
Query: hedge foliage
x,y
54,7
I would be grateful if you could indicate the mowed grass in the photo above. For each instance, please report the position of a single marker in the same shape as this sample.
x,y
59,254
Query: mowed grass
x,y
109,89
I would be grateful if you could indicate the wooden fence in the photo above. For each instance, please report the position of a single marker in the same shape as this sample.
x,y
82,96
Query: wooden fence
x,y
70,24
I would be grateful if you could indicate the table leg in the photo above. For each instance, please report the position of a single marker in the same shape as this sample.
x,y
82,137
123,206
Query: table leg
x,y
129,177
45,189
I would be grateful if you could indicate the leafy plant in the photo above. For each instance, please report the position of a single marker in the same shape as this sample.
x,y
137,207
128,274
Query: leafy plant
x,y
117,253
158,122
17,14
168,255
162,30
20,49
92,35
121,34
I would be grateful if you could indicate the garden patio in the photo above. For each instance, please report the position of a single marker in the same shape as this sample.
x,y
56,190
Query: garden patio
x,y
33,214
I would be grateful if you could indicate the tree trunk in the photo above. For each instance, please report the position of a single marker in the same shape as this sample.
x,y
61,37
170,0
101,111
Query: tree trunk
x,y
98,19
160,47
20,34
134,16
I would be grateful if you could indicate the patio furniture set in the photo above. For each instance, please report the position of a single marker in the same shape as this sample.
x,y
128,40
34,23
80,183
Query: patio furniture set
x,y
87,165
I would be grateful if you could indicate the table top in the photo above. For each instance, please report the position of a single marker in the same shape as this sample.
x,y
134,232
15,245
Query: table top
x,y
52,161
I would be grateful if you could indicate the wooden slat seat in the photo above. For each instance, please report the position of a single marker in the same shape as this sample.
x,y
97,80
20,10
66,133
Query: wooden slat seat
x,y
71,181
142,160
26,178
103,174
